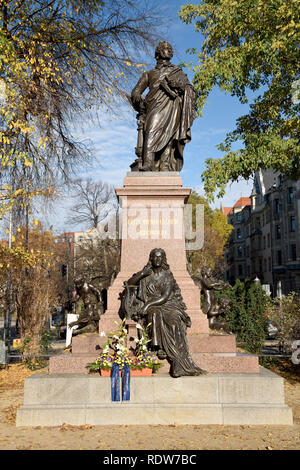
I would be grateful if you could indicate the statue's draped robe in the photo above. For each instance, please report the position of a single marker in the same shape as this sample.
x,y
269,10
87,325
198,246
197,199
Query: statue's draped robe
x,y
167,120
168,323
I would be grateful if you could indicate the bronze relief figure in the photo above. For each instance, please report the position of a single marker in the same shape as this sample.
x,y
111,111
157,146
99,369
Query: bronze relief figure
x,y
213,308
161,305
165,116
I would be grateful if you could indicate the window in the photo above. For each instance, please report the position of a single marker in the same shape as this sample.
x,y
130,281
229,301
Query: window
x,y
264,243
240,251
270,266
291,196
277,232
239,216
240,270
259,242
279,257
276,206
238,234
293,252
268,240
292,224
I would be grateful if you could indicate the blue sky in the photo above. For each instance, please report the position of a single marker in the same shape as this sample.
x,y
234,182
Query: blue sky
x,y
114,139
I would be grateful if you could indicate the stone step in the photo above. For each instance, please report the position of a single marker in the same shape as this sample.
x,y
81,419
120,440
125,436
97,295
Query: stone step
x,y
212,363
89,343
127,414
51,400
227,364
71,363
211,343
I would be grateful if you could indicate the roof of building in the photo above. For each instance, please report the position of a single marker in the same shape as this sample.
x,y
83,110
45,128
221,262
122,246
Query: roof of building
x,y
242,202
227,210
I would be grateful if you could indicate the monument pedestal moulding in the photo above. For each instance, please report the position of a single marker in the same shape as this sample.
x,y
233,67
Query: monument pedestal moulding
x,y
235,390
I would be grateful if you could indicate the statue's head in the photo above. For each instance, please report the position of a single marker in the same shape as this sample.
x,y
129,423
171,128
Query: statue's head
x,y
158,258
206,271
164,50
224,302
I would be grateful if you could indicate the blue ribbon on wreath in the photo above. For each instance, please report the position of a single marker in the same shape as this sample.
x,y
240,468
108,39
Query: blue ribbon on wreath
x,y
126,383
115,382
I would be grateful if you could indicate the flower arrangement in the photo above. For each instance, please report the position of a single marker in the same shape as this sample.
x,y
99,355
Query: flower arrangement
x,y
116,342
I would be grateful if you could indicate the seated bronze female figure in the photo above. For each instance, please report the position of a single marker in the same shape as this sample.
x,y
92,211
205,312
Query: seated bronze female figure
x,y
161,304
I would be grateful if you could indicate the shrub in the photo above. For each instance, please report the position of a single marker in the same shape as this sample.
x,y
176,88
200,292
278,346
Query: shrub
x,y
285,314
246,317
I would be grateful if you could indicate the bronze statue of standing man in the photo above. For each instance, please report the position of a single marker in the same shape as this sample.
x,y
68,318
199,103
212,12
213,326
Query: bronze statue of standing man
x,y
165,115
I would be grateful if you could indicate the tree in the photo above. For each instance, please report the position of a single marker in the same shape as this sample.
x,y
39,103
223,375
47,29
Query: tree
x,y
94,202
216,233
34,282
285,314
98,261
251,45
60,59
98,254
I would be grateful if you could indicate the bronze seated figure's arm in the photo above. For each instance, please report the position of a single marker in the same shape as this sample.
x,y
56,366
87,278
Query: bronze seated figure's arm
x,y
137,277
157,302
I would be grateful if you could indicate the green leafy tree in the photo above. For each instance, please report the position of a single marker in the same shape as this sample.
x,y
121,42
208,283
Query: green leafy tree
x,y
216,233
250,45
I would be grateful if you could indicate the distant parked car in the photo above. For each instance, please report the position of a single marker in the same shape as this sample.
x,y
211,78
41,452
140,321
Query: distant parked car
x,y
272,330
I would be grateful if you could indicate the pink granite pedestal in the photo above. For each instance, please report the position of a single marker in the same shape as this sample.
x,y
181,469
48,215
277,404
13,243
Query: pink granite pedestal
x,y
153,217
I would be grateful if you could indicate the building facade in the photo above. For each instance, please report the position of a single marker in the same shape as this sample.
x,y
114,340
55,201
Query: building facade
x,y
265,242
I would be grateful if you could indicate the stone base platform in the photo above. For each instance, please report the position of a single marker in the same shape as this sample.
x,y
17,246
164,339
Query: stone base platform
x,y
232,399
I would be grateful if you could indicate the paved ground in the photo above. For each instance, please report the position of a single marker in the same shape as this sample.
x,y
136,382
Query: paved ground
x,y
139,437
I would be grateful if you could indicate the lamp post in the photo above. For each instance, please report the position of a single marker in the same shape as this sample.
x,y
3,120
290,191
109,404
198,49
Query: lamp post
x,y
7,318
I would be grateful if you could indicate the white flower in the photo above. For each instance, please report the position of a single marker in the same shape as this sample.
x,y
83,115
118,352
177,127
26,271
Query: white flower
x,y
139,327
102,333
